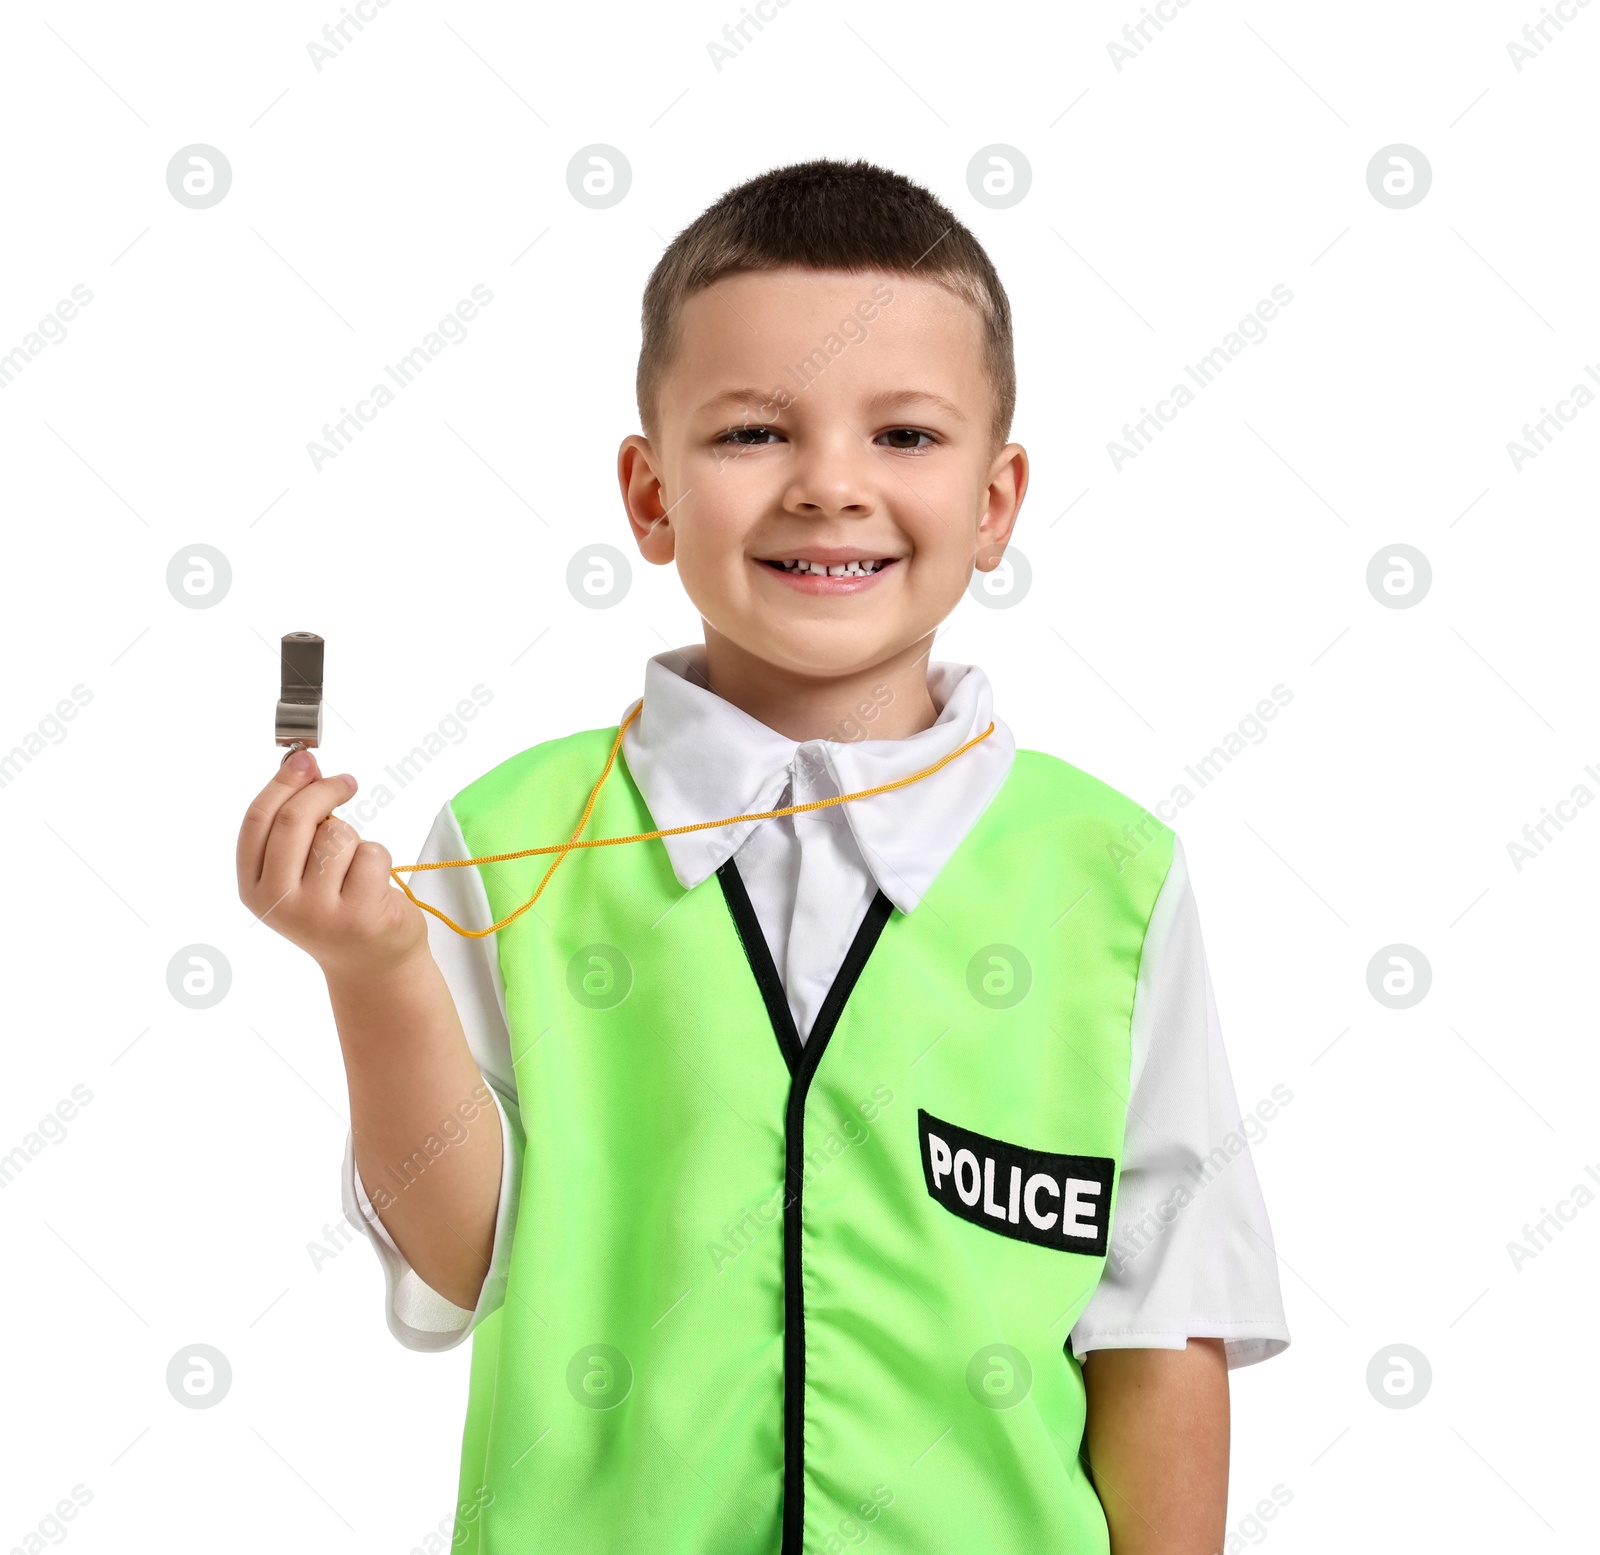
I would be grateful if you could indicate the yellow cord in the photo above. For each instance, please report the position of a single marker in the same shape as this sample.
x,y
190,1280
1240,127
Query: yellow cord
x,y
562,849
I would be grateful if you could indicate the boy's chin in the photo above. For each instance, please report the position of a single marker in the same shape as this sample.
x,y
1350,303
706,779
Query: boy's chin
x,y
819,648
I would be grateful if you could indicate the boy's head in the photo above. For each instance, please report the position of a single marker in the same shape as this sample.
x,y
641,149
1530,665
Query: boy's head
x,y
826,368
848,216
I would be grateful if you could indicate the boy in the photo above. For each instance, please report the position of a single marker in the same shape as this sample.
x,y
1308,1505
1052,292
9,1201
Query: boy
x,y
851,1174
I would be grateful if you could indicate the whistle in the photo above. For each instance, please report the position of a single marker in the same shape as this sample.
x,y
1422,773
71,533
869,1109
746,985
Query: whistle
x,y
299,720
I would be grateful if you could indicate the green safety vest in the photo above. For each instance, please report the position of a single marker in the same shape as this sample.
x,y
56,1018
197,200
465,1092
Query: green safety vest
x,y
767,1298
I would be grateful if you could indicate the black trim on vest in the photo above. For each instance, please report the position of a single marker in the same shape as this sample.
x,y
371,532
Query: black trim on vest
x,y
759,954
802,1060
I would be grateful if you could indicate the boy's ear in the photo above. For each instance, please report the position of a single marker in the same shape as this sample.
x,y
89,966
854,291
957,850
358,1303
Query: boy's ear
x,y
643,496
1008,484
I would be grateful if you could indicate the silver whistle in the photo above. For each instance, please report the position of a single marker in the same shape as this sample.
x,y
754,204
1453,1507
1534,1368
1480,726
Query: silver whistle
x,y
299,720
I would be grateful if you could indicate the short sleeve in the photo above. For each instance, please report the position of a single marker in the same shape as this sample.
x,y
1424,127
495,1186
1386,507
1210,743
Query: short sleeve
x,y
418,1316
1191,1252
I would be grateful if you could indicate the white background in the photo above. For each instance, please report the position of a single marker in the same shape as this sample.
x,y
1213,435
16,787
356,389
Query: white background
x,y
1167,599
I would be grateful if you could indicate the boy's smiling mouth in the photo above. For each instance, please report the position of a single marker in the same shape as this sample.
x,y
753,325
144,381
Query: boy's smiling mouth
x,y
819,570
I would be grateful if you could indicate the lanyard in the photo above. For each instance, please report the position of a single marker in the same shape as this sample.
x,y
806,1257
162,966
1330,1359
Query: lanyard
x,y
562,849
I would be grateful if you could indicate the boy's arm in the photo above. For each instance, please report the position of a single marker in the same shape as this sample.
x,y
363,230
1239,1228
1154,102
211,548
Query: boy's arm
x,y
1156,1438
413,1083
1190,1256
426,1134
417,1315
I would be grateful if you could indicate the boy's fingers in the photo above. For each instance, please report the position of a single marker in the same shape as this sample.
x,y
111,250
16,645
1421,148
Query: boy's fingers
x,y
368,876
333,846
287,781
289,841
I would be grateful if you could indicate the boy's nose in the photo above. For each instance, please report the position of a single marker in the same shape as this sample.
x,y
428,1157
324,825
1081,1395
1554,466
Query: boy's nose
x,y
830,481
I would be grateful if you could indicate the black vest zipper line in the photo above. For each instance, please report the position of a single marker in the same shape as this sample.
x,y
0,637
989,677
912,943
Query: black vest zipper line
x,y
802,1059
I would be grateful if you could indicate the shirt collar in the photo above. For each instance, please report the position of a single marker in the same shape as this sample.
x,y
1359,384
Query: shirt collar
x,y
697,757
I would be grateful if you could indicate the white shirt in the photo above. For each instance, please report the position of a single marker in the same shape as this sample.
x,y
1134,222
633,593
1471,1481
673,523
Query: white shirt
x,y
1191,1246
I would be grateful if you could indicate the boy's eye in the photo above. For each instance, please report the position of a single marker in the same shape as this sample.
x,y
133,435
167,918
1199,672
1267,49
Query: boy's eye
x,y
905,439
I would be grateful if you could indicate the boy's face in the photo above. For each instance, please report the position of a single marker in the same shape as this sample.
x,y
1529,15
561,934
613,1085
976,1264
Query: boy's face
x,y
827,416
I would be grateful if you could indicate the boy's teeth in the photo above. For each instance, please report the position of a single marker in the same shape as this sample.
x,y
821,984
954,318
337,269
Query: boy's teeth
x,y
840,570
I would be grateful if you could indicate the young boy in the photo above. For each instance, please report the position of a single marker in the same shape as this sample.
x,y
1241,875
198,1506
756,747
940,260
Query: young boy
x,y
855,1174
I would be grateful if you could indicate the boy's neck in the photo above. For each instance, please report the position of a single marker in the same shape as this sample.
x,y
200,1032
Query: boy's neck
x,y
888,701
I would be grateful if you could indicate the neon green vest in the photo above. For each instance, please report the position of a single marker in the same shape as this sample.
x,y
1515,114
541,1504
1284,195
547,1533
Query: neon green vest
x,y
766,1297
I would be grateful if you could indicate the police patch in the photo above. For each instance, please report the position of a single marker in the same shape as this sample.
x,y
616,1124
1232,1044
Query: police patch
x,y
1060,1201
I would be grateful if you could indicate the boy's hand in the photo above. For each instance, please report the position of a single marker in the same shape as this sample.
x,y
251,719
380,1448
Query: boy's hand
x,y
308,874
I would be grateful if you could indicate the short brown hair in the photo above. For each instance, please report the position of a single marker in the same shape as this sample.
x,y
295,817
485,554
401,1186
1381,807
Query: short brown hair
x,y
826,215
